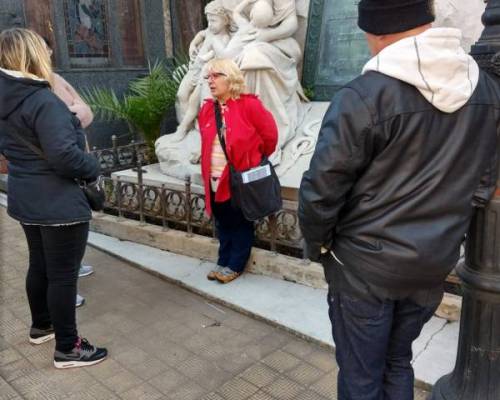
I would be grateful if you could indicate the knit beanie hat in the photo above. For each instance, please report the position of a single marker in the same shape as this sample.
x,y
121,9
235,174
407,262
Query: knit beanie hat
x,y
382,17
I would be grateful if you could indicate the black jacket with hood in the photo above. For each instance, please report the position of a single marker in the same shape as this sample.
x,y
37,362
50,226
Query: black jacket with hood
x,y
43,192
404,153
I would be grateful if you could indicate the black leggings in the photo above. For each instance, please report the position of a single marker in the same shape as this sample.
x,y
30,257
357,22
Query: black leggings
x,y
55,256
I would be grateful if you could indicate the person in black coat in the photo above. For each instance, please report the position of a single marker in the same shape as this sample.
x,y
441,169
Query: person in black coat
x,y
44,193
406,152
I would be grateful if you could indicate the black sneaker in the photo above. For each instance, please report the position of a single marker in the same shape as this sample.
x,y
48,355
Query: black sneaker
x,y
82,355
39,336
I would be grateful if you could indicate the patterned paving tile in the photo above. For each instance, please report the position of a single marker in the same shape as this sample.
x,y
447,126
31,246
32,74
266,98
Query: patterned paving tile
x,y
305,374
162,341
281,361
237,389
260,375
284,389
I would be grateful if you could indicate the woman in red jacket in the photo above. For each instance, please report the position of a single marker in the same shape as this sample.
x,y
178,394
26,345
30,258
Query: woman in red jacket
x,y
249,133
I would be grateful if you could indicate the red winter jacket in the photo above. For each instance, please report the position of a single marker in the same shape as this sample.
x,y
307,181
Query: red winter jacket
x,y
251,133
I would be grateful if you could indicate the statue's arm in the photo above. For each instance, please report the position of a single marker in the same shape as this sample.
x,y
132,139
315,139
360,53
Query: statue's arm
x,y
284,30
220,44
195,44
238,16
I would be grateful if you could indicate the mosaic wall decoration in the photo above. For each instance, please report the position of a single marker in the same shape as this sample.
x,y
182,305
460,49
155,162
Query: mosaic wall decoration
x,y
87,32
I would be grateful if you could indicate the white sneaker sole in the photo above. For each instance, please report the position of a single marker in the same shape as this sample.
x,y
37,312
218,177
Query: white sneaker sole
x,y
42,339
85,274
76,364
79,304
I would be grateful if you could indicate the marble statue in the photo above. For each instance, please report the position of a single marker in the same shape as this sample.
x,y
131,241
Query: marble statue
x,y
261,36
258,35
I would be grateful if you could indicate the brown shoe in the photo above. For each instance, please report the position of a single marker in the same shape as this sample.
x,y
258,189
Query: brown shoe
x,y
226,275
212,275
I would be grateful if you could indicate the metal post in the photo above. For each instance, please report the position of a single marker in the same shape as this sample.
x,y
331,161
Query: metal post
x,y
114,141
163,199
477,370
214,229
189,215
273,232
119,197
140,190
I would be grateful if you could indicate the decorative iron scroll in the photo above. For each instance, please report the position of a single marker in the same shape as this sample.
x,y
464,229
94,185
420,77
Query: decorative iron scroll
x,y
118,158
183,209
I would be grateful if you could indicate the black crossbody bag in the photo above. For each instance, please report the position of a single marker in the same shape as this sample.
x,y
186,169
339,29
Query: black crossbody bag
x,y
94,191
257,191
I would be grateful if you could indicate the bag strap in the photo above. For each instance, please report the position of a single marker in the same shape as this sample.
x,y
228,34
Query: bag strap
x,y
14,133
219,123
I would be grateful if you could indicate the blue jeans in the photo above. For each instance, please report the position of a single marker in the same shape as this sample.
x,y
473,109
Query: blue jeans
x,y
373,345
236,236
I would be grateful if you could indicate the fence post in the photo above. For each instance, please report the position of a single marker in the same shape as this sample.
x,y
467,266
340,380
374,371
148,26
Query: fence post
x,y
188,209
119,197
214,229
114,141
163,199
273,221
134,152
140,191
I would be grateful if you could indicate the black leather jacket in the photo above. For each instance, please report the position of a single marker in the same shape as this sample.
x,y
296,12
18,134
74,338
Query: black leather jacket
x,y
393,181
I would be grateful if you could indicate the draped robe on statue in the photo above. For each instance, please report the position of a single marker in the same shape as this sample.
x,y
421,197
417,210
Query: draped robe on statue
x,y
270,70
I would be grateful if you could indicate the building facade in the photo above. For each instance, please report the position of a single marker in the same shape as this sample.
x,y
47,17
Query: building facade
x,y
96,42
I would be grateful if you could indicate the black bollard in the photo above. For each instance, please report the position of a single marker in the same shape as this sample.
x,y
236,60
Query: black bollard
x,y
477,370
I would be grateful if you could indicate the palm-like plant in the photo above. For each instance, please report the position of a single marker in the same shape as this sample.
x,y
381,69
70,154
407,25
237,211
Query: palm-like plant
x,y
146,103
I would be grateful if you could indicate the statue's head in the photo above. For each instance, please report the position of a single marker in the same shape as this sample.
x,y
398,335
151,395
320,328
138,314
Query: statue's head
x,y
217,17
262,13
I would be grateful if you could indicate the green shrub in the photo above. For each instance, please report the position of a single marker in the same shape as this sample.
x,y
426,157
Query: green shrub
x,y
145,104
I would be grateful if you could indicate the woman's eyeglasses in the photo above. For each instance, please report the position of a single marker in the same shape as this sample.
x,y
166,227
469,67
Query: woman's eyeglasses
x,y
214,76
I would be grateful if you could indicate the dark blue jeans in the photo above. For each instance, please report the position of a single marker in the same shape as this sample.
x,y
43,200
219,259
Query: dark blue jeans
x,y
373,341
236,236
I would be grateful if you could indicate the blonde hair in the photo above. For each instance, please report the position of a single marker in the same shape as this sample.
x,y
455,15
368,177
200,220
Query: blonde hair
x,y
233,75
25,51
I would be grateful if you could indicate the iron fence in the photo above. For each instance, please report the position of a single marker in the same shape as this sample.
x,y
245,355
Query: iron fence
x,y
117,158
184,209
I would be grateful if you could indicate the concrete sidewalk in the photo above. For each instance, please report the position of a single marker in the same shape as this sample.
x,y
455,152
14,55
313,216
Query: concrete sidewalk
x,y
165,342
294,307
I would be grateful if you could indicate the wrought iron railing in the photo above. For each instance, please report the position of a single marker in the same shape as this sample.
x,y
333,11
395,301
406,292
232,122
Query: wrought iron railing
x,y
184,209
117,158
